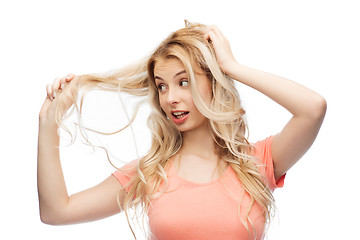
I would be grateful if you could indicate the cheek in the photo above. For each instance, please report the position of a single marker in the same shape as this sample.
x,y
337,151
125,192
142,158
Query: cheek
x,y
188,99
206,93
162,104
205,88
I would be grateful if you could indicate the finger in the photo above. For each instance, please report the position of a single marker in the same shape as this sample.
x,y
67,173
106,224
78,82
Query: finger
x,y
63,82
217,32
212,33
206,35
215,29
213,38
69,77
49,92
207,38
56,86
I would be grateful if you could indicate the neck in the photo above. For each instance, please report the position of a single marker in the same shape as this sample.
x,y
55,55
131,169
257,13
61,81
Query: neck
x,y
198,142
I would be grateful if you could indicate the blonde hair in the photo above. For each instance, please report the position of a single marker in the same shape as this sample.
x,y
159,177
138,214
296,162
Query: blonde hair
x,y
225,114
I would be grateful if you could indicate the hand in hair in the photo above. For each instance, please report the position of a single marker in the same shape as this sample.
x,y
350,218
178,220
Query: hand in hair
x,y
53,90
221,45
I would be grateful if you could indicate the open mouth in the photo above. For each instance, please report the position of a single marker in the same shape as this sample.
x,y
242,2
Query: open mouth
x,y
179,115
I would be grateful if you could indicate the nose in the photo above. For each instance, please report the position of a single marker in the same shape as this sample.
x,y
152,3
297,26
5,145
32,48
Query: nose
x,y
173,96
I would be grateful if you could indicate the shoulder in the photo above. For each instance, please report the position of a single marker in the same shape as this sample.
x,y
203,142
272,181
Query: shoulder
x,y
126,173
128,167
262,149
263,157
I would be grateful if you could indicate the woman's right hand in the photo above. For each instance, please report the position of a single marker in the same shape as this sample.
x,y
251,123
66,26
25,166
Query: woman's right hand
x,y
56,206
47,112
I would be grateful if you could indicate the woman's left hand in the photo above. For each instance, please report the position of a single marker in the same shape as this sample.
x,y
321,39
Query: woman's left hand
x,y
221,45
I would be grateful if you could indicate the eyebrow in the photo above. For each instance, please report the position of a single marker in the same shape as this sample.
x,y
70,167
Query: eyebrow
x,y
177,74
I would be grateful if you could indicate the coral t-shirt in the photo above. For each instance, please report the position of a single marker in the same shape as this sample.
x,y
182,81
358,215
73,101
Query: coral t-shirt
x,y
189,210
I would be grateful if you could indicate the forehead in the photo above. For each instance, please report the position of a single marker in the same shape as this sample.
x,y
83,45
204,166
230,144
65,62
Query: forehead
x,y
165,66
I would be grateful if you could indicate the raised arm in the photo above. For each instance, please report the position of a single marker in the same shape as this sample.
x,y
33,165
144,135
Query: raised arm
x,y
307,107
56,207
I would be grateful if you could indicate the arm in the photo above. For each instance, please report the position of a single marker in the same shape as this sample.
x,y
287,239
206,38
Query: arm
x,y
56,207
307,107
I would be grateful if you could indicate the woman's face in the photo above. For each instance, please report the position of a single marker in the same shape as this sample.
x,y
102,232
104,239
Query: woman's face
x,y
175,95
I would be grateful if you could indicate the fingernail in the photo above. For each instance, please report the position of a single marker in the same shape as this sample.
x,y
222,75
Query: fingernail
x,y
62,86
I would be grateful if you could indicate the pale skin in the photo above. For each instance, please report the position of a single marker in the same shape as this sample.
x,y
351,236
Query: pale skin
x,y
307,107
56,206
198,158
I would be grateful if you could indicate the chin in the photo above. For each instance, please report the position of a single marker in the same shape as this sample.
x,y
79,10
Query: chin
x,y
188,128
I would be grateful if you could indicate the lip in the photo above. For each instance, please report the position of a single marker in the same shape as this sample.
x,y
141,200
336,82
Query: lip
x,y
180,120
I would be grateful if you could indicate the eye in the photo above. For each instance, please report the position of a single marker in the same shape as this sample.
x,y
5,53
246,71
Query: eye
x,y
161,87
184,83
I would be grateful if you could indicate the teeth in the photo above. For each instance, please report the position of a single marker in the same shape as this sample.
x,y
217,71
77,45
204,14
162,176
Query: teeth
x,y
178,113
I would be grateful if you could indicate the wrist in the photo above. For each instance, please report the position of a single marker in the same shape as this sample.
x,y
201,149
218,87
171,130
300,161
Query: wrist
x,y
48,135
48,123
231,68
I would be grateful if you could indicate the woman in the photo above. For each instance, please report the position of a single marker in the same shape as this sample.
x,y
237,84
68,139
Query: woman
x,y
201,178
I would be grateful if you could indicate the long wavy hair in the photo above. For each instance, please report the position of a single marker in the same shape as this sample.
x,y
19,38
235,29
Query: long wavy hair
x,y
225,114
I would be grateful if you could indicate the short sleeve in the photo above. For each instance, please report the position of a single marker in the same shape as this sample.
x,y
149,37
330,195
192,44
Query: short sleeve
x,y
126,173
266,165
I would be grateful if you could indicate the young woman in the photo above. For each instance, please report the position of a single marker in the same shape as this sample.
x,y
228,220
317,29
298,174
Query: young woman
x,y
201,178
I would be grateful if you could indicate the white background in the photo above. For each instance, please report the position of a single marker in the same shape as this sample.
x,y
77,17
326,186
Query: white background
x,y
315,43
